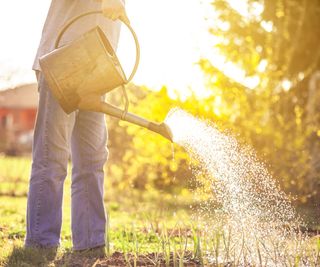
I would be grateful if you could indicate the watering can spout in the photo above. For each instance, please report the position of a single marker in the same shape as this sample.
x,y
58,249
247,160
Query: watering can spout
x,y
160,128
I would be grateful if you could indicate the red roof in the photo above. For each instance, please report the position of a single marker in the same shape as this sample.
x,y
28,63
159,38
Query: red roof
x,y
24,96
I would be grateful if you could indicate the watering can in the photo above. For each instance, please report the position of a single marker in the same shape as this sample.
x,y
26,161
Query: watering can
x,y
82,71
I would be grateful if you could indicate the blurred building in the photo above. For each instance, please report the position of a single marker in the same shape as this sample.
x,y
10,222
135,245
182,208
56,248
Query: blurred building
x,y
18,108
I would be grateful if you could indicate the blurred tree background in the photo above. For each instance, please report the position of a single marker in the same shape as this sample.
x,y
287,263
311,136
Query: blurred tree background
x,y
277,46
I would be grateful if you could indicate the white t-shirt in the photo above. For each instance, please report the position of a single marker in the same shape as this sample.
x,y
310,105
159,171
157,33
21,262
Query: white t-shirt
x,y
60,12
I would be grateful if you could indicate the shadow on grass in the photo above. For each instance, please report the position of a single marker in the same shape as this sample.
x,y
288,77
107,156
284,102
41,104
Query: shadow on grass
x,y
26,257
40,257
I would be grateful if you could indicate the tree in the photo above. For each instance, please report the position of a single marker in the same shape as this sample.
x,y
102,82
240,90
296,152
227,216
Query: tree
x,y
277,43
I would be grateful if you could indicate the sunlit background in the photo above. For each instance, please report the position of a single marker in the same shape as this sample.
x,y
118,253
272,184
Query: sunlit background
x,y
250,68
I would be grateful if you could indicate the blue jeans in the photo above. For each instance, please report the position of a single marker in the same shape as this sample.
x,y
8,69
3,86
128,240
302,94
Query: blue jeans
x,y
56,133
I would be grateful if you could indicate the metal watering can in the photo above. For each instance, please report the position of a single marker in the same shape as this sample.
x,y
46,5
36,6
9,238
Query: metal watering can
x,y
82,71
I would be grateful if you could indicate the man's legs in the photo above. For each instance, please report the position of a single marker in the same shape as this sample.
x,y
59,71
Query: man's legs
x,y
89,154
49,169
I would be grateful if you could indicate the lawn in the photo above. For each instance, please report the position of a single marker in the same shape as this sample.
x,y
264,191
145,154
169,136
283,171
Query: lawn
x,y
136,233
151,224
150,229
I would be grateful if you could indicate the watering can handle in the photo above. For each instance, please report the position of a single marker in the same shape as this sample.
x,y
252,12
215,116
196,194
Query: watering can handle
x,y
73,20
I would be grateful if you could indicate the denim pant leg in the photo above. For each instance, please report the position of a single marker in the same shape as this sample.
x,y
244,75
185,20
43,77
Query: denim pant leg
x,y
89,154
49,169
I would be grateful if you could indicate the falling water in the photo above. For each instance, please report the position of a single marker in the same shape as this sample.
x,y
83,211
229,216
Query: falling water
x,y
252,208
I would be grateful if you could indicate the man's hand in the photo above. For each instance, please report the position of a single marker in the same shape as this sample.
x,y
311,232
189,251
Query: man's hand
x,y
114,9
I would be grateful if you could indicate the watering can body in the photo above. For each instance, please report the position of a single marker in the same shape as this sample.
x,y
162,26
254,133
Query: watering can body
x,y
83,67
80,72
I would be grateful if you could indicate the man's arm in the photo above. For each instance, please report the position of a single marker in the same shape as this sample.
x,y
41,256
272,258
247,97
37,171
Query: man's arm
x,y
114,9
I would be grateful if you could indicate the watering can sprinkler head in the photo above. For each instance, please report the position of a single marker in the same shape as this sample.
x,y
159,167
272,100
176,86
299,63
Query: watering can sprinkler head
x,y
162,129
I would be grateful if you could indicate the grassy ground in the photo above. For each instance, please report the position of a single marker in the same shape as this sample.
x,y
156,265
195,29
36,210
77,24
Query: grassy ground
x,y
150,230
132,234
137,225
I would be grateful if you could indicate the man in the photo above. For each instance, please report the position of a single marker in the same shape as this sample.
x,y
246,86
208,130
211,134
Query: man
x,y
56,134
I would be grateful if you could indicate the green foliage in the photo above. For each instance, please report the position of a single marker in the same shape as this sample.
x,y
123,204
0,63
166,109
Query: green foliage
x,y
273,117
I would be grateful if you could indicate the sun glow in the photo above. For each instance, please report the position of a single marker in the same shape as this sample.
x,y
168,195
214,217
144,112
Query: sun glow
x,y
171,39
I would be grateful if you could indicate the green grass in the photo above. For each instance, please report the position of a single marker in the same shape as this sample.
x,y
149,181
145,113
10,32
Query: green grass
x,y
152,228
136,233
135,224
